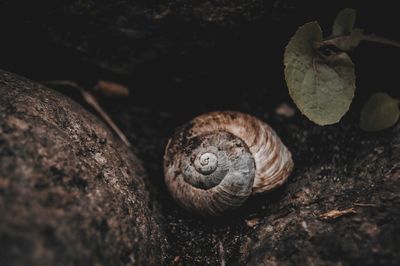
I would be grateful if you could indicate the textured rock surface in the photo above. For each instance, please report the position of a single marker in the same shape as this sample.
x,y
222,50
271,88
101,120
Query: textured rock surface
x,y
69,193
365,179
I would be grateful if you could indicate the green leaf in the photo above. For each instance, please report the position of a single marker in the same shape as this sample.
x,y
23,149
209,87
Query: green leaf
x,y
379,112
321,89
344,22
344,36
302,43
348,42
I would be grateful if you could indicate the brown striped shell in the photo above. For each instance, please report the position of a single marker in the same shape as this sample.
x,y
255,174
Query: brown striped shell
x,y
217,160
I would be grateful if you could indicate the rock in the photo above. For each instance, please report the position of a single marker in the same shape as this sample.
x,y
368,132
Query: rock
x,y
70,193
361,185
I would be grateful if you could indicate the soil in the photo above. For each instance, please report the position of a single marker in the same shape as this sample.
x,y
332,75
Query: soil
x,y
235,63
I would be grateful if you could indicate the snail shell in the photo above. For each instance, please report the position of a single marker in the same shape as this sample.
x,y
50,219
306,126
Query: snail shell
x,y
217,160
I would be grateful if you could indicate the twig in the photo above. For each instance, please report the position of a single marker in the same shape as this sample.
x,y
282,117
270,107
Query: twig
x,y
221,253
91,100
334,214
351,39
378,39
63,83
365,204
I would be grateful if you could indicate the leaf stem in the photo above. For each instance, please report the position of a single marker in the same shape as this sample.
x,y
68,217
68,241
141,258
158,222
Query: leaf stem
x,y
378,39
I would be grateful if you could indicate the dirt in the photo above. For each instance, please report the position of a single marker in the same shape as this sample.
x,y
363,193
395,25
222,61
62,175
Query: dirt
x,y
186,64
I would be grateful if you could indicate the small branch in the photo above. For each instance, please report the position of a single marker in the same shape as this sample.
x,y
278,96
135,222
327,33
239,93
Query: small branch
x,y
221,253
62,83
381,40
91,100
365,204
334,214
350,41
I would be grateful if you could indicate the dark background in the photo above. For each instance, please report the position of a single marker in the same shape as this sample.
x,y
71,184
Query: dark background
x,y
227,49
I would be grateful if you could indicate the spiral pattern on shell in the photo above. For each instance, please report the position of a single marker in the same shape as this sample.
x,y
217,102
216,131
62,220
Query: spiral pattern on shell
x,y
217,160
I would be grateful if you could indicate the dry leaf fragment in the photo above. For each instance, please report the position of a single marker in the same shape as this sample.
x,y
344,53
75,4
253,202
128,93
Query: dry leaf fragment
x,y
334,214
252,222
285,110
177,259
112,88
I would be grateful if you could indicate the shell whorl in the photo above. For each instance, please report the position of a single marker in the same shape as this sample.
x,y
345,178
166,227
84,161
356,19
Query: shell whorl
x,y
216,161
